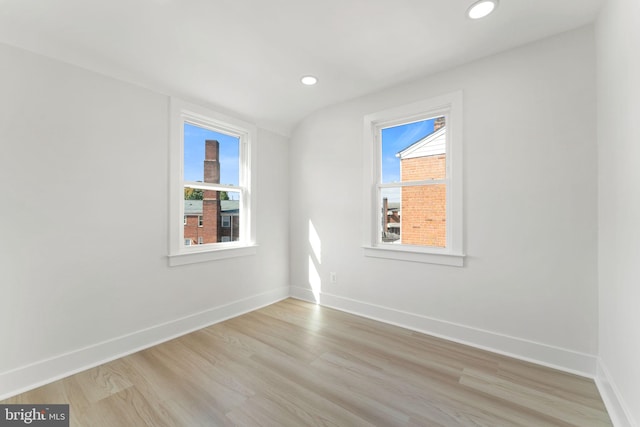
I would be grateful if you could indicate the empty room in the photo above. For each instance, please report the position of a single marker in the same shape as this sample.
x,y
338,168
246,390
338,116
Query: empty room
x,y
347,213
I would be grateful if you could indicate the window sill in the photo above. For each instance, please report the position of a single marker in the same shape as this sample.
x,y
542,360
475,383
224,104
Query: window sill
x,y
415,255
211,255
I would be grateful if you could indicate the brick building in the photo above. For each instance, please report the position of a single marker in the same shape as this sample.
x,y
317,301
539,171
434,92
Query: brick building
x,y
195,230
423,208
211,220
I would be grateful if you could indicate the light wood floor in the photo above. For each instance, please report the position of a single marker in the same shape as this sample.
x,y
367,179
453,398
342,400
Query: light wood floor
x,y
297,364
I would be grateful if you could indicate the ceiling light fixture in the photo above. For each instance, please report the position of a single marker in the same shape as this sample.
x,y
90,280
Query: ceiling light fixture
x,y
309,80
481,8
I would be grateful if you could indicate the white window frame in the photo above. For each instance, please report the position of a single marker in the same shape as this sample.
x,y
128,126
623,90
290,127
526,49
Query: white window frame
x,y
450,106
182,112
200,221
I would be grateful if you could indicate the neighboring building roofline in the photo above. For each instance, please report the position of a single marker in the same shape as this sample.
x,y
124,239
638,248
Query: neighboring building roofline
x,y
421,142
194,207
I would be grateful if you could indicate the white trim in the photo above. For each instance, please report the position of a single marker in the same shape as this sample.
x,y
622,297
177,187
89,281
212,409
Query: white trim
x,y
616,406
531,351
413,183
449,106
179,113
403,253
211,252
211,186
36,374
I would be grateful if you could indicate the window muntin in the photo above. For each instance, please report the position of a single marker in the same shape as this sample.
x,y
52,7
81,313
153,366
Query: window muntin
x,y
194,192
404,179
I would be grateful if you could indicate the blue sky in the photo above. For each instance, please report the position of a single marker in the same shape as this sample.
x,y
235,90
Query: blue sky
x,y
194,138
396,139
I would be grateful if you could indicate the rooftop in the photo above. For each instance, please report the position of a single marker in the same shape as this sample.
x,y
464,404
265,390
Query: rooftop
x,y
194,207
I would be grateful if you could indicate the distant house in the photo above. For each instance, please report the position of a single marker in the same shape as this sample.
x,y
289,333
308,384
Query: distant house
x,y
230,220
423,219
391,226
194,225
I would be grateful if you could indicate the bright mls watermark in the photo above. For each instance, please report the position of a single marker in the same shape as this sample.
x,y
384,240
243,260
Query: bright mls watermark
x,y
34,415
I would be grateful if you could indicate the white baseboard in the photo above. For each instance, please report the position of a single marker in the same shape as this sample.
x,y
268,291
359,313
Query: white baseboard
x,y
45,371
616,406
542,354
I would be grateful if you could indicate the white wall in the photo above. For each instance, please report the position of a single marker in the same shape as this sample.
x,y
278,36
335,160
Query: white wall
x,y
83,226
618,40
529,284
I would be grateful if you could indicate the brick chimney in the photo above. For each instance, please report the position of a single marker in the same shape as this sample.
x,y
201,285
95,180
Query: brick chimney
x,y
211,199
438,123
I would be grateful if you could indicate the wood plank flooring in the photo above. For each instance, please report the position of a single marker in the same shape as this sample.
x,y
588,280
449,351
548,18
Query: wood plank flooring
x,y
298,364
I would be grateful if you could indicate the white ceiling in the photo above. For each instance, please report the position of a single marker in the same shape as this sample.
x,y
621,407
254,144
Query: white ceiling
x,y
247,56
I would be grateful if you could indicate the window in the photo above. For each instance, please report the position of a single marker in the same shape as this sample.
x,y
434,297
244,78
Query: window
x,y
413,189
226,238
211,165
226,221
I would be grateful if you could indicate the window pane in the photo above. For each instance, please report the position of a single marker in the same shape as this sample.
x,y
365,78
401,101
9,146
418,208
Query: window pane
x,y
210,156
211,216
415,215
403,146
230,216
424,216
391,227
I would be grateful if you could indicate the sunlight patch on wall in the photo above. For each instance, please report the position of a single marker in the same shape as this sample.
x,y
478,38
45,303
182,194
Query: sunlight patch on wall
x,y
314,280
315,260
315,243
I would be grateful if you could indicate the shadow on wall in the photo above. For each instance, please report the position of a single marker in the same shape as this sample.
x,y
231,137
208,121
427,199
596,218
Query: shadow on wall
x,y
315,260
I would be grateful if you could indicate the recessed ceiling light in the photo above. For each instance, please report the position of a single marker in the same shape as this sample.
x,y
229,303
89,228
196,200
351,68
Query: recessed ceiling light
x,y
481,8
309,80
